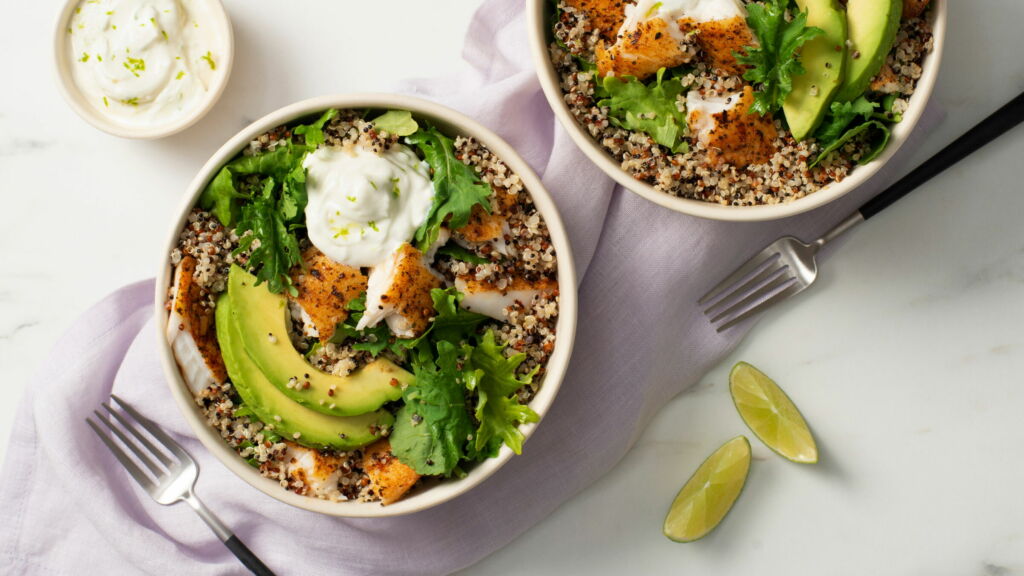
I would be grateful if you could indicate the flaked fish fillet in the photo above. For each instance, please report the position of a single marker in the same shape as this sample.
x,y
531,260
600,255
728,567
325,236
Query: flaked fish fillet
x,y
731,134
312,472
389,478
486,298
606,16
191,332
324,289
665,34
643,49
721,40
484,228
398,292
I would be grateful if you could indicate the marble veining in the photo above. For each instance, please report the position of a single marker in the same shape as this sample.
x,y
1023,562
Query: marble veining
x,y
13,332
18,146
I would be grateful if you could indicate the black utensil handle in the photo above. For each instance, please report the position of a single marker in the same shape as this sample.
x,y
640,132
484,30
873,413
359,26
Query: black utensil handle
x,y
254,564
988,130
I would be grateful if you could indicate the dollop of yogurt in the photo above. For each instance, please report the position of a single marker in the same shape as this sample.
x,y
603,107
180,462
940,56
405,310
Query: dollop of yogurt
x,y
144,62
362,205
671,11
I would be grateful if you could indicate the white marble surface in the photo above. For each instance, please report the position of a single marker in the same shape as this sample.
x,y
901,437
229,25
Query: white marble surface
x,y
907,358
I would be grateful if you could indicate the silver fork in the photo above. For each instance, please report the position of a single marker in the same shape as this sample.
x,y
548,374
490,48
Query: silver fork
x,y
787,266
171,480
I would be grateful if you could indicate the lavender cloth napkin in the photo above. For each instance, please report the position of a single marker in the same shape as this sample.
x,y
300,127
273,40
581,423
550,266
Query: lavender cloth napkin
x,y
68,508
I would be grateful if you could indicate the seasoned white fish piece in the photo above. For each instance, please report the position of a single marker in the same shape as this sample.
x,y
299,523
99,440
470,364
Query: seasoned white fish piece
x,y
389,478
488,299
732,135
311,472
191,332
721,31
484,228
606,16
663,34
323,290
399,293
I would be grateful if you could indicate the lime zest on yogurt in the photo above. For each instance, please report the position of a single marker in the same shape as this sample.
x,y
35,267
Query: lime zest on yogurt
x,y
155,77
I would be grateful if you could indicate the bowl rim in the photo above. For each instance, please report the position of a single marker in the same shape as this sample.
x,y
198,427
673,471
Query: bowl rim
x,y
537,24
76,100
557,365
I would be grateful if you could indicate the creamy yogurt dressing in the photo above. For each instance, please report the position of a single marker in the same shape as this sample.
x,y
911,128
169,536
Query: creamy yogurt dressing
x,y
362,206
144,62
672,10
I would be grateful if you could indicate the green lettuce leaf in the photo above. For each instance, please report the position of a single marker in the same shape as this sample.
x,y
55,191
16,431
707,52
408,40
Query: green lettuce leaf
x,y
453,324
456,252
888,105
457,187
374,339
272,215
775,60
397,122
433,427
498,411
651,109
314,133
840,117
222,196
278,248
878,143
277,162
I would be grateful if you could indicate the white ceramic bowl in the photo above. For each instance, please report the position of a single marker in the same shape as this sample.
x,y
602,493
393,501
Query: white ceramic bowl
x,y
452,123
73,96
538,20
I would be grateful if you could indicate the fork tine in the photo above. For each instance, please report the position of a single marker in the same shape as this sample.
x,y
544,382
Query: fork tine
x,y
752,266
154,430
755,284
136,451
774,299
126,424
123,458
755,297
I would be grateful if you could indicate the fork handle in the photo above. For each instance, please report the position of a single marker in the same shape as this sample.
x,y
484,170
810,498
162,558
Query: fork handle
x,y
242,552
237,547
988,130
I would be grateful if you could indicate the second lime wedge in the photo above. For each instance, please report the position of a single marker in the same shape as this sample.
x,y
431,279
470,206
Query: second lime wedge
x,y
710,493
771,415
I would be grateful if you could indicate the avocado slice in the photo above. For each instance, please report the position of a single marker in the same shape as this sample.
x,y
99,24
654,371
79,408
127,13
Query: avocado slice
x,y
824,59
292,421
873,27
262,317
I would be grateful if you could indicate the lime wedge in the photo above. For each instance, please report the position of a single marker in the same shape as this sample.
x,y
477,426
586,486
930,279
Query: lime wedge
x,y
771,415
710,493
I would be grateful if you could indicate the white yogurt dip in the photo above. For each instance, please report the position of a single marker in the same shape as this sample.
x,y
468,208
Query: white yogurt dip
x,y
699,11
144,63
362,206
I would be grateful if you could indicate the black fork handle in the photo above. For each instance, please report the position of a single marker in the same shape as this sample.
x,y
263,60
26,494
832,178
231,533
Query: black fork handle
x,y
242,552
1000,122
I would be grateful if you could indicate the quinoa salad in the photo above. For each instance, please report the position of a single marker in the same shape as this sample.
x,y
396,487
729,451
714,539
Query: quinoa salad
x,y
740,102
363,302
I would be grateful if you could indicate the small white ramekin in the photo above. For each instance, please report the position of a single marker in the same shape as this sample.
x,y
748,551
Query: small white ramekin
x,y
73,96
539,25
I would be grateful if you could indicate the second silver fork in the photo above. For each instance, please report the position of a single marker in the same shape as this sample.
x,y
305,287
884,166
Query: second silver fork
x,y
787,266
